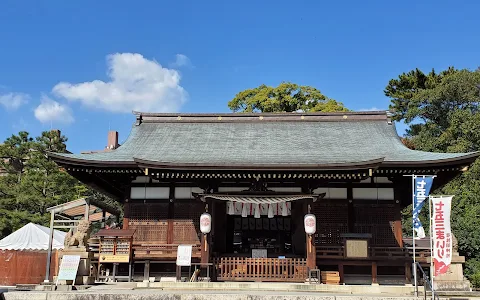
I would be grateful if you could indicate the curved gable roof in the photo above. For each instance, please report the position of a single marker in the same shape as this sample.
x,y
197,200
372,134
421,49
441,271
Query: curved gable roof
x,y
266,140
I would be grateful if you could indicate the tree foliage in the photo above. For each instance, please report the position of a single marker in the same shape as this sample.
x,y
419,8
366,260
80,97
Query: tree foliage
x,y
287,97
32,183
442,111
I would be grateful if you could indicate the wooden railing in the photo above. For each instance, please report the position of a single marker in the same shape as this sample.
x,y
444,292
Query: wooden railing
x,y
375,252
261,269
161,251
388,252
330,251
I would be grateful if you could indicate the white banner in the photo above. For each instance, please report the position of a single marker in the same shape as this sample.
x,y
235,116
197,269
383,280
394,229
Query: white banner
x,y
441,233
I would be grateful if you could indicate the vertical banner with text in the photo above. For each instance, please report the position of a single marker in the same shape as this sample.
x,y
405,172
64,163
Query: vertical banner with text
x,y
422,186
441,233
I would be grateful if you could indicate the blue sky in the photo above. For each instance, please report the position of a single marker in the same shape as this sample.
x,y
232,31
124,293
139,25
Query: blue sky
x,y
82,66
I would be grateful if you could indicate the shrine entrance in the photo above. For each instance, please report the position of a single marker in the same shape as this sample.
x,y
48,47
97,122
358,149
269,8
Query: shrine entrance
x,y
265,238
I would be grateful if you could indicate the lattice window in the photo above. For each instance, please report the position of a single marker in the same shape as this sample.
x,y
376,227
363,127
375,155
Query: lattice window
x,y
150,234
376,219
330,234
332,221
149,220
186,227
148,212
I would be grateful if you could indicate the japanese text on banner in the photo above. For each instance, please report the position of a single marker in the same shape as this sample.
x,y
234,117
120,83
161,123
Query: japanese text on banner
x,y
422,187
441,234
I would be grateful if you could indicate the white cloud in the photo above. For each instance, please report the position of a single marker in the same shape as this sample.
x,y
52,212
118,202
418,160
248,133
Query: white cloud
x,y
181,60
52,111
371,109
136,83
13,101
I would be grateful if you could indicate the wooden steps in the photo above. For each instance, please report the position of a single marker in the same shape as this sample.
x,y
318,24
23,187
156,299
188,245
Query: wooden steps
x,y
330,277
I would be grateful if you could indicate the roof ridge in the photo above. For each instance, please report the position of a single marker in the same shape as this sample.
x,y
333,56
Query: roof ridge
x,y
262,117
247,114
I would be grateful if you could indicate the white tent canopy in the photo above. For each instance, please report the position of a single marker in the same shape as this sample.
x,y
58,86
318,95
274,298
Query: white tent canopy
x,y
32,237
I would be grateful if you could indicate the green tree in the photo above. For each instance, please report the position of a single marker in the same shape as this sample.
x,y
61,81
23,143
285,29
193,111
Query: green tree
x,y
287,97
442,111
32,182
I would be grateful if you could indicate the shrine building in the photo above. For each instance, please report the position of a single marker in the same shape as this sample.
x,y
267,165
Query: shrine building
x,y
258,175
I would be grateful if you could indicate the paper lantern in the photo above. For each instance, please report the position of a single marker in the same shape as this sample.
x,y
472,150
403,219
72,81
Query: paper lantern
x,y
205,223
310,222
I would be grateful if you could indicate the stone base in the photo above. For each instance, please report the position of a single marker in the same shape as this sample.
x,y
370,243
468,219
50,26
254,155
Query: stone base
x,y
457,285
80,280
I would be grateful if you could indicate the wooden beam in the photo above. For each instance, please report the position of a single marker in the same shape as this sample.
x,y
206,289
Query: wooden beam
x,y
311,252
126,215
341,273
397,222
408,273
171,215
205,250
351,209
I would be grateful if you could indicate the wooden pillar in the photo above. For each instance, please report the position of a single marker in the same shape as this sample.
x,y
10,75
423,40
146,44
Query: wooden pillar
x,y
104,216
178,273
351,211
374,272
408,273
126,214
311,253
146,271
205,252
171,215
397,222
341,273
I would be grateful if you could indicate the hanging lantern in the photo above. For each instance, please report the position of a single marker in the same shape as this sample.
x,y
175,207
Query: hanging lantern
x,y
310,222
205,223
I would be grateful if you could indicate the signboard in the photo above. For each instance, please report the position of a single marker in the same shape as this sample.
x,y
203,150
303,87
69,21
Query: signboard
x,y
259,253
68,267
184,255
109,258
442,234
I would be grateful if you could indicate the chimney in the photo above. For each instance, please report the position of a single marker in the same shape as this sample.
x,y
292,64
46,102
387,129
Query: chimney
x,y
112,140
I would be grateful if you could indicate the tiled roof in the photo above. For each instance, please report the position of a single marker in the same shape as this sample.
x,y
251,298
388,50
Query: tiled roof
x,y
264,139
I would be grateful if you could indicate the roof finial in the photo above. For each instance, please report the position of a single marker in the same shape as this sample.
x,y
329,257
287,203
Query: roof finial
x,y
139,120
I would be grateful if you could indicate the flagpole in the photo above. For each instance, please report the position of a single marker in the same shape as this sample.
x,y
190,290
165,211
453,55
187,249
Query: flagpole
x,y
432,268
413,237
